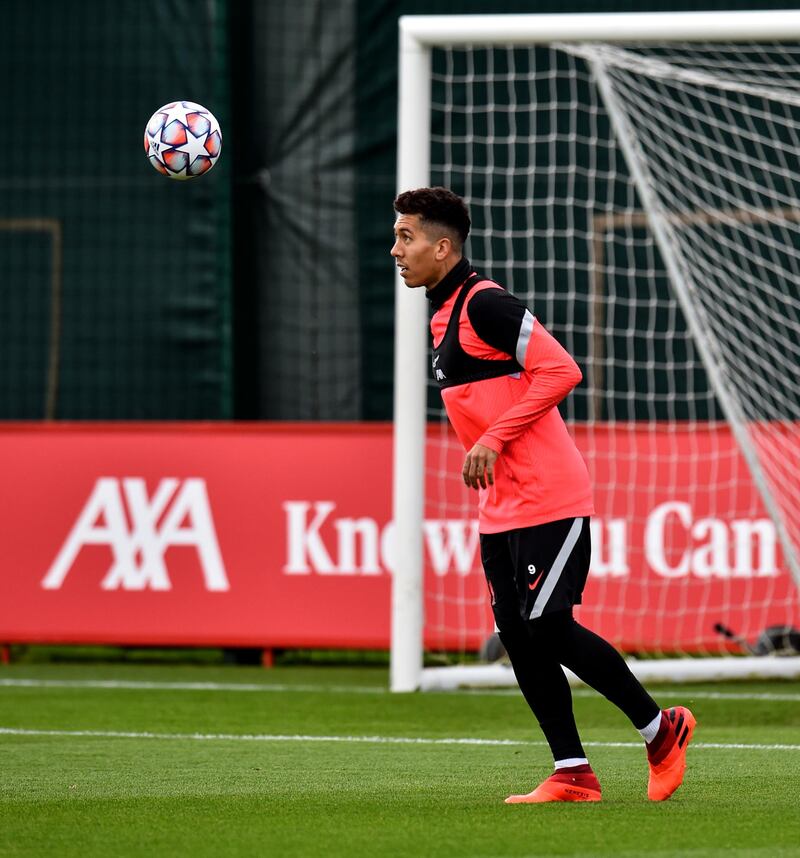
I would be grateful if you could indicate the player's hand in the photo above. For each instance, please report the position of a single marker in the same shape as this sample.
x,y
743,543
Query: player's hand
x,y
478,467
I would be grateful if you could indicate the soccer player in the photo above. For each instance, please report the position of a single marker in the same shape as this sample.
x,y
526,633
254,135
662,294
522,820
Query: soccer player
x,y
502,376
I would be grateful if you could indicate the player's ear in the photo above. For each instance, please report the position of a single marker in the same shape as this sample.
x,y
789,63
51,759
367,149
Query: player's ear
x,y
443,247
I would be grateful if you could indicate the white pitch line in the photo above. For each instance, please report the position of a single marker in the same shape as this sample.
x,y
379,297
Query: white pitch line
x,y
143,685
371,740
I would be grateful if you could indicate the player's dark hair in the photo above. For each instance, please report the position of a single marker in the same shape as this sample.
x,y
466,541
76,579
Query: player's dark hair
x,y
438,206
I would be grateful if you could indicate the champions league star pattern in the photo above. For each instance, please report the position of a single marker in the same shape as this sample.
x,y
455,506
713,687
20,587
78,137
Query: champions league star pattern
x,y
182,140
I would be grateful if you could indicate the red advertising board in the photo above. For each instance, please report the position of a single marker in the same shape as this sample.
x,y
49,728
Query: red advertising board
x,y
176,535
279,535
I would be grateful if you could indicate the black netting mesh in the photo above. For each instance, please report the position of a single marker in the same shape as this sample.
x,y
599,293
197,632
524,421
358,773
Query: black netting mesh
x,y
115,281
263,290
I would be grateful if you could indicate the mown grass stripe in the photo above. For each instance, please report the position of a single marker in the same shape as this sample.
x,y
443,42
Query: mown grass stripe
x,y
379,740
146,685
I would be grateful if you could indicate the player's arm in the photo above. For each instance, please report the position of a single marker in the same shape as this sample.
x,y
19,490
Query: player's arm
x,y
505,323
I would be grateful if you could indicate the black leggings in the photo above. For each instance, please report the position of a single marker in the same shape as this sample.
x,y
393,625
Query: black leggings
x,y
538,648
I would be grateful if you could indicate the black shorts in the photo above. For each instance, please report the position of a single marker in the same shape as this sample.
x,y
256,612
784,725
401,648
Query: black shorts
x,y
536,570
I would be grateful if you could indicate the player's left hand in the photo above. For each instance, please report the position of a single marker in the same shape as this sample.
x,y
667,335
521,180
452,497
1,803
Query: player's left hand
x,y
478,467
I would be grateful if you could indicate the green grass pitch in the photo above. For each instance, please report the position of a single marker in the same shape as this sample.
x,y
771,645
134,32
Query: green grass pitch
x,y
310,761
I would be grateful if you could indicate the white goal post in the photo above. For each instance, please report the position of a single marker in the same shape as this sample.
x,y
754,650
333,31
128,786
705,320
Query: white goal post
x,y
704,210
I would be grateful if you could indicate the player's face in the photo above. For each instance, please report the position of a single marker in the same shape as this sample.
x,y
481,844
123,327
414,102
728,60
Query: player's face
x,y
417,257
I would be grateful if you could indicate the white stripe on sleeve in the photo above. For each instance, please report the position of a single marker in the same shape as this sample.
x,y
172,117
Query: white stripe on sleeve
x,y
525,331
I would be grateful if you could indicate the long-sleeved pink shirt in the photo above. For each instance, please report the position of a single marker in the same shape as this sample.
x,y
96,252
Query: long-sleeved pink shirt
x,y
540,475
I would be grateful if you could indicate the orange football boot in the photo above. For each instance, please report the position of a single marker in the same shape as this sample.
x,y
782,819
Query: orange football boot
x,y
562,786
668,761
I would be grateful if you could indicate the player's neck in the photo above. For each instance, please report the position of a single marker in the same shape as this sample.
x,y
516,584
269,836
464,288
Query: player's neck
x,y
453,277
446,267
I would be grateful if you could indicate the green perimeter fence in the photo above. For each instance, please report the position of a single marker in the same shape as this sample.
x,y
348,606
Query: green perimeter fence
x,y
260,291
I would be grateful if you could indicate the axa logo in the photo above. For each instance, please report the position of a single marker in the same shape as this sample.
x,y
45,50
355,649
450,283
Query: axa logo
x,y
139,529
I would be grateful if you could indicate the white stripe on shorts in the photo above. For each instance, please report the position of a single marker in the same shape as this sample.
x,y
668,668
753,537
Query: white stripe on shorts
x,y
553,575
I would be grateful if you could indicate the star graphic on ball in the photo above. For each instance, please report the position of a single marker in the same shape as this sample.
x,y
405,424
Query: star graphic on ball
x,y
180,110
194,147
156,147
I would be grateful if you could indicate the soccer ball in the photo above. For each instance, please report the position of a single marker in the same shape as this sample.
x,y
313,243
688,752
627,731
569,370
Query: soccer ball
x,y
182,140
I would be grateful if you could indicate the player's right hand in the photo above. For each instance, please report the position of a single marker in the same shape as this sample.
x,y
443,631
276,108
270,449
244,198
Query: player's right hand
x,y
478,470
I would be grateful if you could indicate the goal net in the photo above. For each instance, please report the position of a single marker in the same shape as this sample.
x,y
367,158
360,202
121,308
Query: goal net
x,y
641,197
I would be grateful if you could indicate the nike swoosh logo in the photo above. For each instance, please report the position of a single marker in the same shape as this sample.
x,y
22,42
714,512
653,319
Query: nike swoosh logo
x,y
532,584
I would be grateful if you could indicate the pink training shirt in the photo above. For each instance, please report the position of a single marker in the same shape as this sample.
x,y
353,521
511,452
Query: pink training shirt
x,y
540,475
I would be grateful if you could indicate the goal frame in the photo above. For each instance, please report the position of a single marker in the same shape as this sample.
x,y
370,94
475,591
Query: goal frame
x,y
418,35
